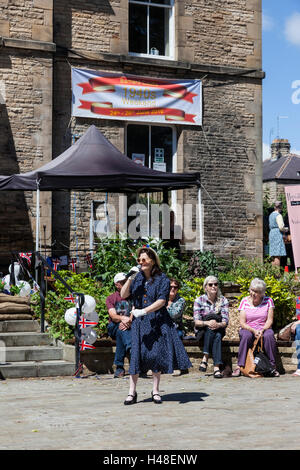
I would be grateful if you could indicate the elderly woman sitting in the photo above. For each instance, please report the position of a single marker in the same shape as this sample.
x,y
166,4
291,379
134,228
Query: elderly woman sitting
x,y
211,312
256,319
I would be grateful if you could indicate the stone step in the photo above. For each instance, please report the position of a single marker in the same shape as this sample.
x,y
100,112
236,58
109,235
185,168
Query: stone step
x,y
24,339
8,326
31,353
37,369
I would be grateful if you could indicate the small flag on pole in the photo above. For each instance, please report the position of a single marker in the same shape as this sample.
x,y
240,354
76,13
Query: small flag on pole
x,y
70,298
26,256
73,264
84,345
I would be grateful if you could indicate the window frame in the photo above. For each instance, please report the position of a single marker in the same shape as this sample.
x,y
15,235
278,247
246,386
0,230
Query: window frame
x,y
171,8
174,147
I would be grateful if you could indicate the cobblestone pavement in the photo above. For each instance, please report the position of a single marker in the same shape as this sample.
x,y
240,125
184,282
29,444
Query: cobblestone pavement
x,y
198,412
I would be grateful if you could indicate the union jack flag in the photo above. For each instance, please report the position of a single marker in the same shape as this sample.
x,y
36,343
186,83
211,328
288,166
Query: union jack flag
x,y
73,264
27,256
55,262
88,259
70,298
84,345
84,323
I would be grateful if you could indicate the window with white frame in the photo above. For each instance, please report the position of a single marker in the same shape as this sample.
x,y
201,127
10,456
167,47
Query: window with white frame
x,y
151,27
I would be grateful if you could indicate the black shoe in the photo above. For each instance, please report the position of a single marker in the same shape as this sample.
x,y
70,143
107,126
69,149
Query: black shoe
x,y
203,366
131,402
217,374
155,400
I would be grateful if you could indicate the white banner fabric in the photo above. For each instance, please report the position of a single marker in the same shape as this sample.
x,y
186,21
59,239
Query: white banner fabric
x,y
132,98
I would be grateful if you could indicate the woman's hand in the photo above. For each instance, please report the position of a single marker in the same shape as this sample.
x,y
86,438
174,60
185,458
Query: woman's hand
x,y
212,324
139,312
258,333
125,323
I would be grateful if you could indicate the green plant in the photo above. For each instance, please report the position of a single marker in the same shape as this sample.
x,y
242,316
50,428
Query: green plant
x,y
15,290
56,306
190,290
280,290
119,255
248,269
203,264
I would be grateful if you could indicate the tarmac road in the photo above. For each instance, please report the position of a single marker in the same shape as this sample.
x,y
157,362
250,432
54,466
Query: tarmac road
x,y
198,413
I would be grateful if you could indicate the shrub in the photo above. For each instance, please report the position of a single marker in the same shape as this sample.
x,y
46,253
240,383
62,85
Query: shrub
x,y
249,269
203,264
119,255
56,306
190,290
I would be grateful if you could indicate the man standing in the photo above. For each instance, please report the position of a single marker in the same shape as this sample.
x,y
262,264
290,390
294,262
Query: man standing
x,y
119,326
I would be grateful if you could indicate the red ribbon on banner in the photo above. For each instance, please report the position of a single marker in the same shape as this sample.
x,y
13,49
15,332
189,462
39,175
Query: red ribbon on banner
x,y
107,84
104,109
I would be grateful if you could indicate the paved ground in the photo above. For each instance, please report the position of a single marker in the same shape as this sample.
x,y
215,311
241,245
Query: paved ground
x,y
198,412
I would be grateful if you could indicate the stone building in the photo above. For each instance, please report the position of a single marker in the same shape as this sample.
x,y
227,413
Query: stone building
x,y
215,41
280,170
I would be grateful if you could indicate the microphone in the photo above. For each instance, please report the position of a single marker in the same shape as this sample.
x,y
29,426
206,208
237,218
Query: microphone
x,y
133,270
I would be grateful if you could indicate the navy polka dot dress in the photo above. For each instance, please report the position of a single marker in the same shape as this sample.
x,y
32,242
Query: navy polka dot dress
x,y
155,344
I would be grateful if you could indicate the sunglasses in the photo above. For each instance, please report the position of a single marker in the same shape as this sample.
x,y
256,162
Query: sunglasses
x,y
210,284
144,260
173,287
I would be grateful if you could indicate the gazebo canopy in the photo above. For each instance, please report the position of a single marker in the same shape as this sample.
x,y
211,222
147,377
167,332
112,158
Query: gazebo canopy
x,y
94,163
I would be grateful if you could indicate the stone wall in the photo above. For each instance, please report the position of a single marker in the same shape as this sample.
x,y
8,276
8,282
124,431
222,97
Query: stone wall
x,y
25,116
218,41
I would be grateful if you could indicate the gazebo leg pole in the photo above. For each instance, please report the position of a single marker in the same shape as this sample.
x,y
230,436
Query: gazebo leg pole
x,y
200,221
37,224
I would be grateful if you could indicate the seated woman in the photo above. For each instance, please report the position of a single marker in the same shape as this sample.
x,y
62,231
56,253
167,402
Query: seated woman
x,y
176,306
211,312
256,319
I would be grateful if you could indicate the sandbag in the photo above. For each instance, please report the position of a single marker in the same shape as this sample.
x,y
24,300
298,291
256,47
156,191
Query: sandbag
x,y
14,299
8,307
16,316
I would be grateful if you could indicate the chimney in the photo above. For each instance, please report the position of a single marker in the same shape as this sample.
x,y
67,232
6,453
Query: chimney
x,y
280,148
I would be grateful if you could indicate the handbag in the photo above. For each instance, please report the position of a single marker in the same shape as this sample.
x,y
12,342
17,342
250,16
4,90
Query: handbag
x,y
257,363
262,363
249,368
285,334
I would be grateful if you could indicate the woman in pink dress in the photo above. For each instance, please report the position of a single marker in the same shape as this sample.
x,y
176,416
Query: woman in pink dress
x,y
256,319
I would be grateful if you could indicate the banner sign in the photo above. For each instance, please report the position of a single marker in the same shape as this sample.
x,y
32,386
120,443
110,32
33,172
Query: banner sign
x,y
292,194
133,98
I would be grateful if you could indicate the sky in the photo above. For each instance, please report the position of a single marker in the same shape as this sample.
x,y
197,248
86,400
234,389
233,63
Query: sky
x,y
281,63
